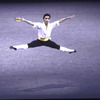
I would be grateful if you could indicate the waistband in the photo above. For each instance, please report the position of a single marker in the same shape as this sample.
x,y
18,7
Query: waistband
x,y
44,39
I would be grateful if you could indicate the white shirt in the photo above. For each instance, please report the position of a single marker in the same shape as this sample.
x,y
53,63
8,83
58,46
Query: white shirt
x,y
43,31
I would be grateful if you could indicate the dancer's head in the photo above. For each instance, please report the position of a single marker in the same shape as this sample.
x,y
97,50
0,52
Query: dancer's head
x,y
46,18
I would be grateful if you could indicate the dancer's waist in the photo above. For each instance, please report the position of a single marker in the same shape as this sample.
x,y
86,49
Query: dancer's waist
x,y
44,39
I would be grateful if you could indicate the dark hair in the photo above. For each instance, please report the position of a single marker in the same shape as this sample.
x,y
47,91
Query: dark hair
x,y
46,15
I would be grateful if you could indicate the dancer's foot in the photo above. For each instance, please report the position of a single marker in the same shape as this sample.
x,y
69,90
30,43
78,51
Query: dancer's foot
x,y
11,47
74,51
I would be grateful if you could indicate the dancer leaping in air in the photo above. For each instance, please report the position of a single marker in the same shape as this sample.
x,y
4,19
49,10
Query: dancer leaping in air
x,y
44,34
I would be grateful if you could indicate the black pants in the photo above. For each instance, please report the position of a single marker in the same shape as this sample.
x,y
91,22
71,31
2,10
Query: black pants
x,y
48,43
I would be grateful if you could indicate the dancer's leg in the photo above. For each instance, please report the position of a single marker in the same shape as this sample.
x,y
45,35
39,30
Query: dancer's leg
x,y
26,46
56,46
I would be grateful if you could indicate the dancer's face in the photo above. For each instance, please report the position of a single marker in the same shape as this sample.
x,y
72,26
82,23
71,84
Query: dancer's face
x,y
46,19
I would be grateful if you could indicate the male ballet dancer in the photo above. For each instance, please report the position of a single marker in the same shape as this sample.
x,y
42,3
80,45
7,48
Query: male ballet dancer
x,y
44,34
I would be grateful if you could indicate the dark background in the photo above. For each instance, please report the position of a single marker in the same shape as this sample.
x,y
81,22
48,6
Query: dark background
x,y
23,1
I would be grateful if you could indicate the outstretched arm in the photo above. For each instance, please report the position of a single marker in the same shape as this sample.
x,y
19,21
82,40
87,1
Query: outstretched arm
x,y
63,19
27,21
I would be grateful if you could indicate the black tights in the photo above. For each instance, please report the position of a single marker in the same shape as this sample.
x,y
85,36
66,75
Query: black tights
x,y
48,43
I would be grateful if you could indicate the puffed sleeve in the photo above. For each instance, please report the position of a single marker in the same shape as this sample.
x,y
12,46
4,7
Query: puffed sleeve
x,y
55,24
37,25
